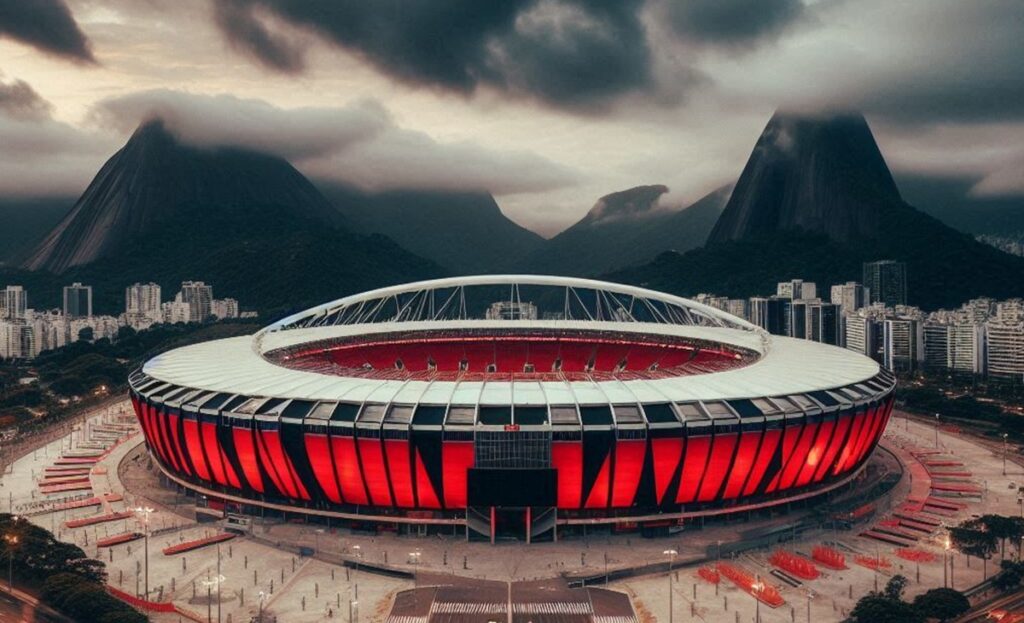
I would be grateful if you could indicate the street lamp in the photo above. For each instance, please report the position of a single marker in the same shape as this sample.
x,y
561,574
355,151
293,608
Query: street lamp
x,y
144,512
351,604
209,583
12,542
1005,435
319,531
671,553
259,617
758,587
945,563
414,557
936,430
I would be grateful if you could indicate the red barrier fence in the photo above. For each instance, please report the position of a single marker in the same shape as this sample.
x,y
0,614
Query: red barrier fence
x,y
95,519
794,564
825,555
141,604
188,546
916,555
875,563
118,539
710,575
765,593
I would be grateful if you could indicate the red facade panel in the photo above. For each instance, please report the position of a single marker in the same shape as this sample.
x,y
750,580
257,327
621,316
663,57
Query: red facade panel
x,y
456,459
400,470
870,422
176,444
349,477
741,465
598,497
245,450
567,458
838,440
718,466
769,445
319,452
816,453
371,456
799,457
856,424
273,468
694,462
165,434
154,429
665,455
211,448
629,463
426,496
195,448
790,436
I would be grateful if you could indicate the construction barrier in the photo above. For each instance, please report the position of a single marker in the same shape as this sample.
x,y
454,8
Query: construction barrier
x,y
916,555
829,557
139,603
765,593
794,564
118,539
188,546
710,575
875,563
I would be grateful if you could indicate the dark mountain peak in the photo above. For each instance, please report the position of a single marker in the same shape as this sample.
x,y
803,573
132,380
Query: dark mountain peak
x,y
155,179
816,172
633,202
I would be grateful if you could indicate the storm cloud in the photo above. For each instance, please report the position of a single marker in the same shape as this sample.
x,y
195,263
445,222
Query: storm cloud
x,y
739,23
46,25
571,53
19,100
246,32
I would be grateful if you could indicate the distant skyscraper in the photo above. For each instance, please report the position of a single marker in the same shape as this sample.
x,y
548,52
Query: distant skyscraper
x,y
770,314
902,344
77,301
936,346
142,299
850,296
199,298
1005,357
797,289
887,282
13,302
966,348
823,323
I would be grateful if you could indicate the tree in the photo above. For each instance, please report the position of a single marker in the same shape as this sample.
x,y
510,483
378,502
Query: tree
x,y
894,587
941,603
1010,577
880,608
1003,528
971,538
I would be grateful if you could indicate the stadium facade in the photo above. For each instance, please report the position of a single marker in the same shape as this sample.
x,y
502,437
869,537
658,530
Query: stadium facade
x,y
604,404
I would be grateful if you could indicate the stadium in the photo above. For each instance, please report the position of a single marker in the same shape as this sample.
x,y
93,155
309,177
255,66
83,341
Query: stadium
x,y
567,403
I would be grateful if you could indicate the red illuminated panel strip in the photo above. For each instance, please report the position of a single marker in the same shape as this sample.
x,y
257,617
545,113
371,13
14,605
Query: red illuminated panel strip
x,y
567,458
694,460
665,454
425,494
456,459
143,415
320,460
857,422
598,497
154,432
764,457
799,458
745,456
165,432
718,466
172,422
817,452
229,471
246,452
195,448
400,470
212,451
138,415
838,439
372,457
790,436
269,465
347,464
875,434
865,434
286,471
629,462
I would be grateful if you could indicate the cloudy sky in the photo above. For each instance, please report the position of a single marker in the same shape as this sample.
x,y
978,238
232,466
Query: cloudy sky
x,y
548,104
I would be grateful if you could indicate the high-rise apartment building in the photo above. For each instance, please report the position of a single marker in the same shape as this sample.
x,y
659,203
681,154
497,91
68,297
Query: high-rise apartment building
x,y
850,296
902,344
823,323
770,313
13,302
796,289
142,299
77,301
199,298
887,282
1005,357
936,346
966,348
